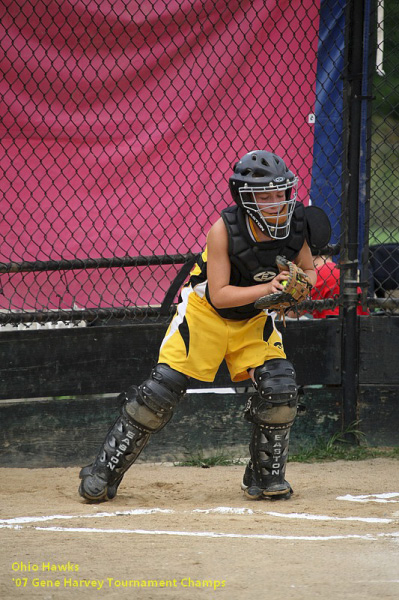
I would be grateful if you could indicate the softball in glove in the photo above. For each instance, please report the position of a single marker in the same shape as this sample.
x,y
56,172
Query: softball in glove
x,y
296,288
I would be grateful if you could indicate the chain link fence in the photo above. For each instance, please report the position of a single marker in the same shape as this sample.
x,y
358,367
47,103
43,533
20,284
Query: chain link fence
x,y
384,183
121,122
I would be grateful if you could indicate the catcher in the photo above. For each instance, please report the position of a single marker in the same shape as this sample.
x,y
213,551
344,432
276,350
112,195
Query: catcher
x,y
257,257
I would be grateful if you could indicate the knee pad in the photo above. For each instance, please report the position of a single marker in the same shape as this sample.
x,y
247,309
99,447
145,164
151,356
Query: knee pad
x,y
152,404
145,410
275,404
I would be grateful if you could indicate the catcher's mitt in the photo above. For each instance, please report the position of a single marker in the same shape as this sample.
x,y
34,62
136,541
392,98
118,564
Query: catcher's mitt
x,y
296,288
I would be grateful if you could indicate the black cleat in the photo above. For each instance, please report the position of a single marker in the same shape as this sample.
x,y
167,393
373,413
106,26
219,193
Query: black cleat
x,y
94,488
274,491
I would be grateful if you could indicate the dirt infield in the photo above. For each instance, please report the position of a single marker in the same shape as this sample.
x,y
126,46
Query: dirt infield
x,y
178,532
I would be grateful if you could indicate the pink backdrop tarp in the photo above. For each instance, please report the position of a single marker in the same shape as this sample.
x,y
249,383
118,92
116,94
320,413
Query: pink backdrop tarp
x,y
120,123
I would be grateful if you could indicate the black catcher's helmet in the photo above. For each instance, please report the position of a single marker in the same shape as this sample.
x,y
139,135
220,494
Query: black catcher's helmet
x,y
262,171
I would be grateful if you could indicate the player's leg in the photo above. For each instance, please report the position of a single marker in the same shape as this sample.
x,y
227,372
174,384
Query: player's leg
x,y
191,348
272,411
145,410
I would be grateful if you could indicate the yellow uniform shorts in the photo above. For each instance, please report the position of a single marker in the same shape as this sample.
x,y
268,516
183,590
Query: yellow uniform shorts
x,y
198,339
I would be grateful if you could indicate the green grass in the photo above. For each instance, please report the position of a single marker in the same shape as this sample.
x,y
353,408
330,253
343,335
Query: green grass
x,y
216,459
322,452
384,200
348,445
383,236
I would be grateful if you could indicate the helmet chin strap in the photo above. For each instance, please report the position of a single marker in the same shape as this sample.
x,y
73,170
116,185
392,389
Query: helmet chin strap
x,y
276,226
276,221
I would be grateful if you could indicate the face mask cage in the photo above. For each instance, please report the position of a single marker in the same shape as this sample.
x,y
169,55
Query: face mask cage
x,y
277,225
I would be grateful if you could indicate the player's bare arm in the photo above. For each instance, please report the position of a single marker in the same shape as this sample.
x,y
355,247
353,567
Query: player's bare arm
x,y
222,294
304,260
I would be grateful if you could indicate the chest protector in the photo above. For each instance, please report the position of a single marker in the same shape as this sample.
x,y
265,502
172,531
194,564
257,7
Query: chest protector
x,y
255,262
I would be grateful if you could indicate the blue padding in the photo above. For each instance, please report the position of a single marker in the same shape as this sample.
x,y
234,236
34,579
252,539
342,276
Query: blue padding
x,y
327,151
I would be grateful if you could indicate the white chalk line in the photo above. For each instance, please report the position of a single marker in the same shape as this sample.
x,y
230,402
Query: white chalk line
x,y
225,510
382,498
211,534
136,511
19,523
307,516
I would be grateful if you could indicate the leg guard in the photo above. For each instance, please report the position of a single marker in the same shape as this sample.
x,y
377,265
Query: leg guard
x,y
145,410
272,411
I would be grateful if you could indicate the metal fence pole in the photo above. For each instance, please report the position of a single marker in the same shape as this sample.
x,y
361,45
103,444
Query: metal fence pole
x,y
353,78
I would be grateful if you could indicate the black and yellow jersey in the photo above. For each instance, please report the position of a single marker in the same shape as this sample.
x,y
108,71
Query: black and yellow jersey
x,y
252,261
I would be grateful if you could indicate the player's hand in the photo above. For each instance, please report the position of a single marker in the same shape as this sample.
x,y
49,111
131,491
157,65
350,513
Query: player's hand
x,y
273,286
292,286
